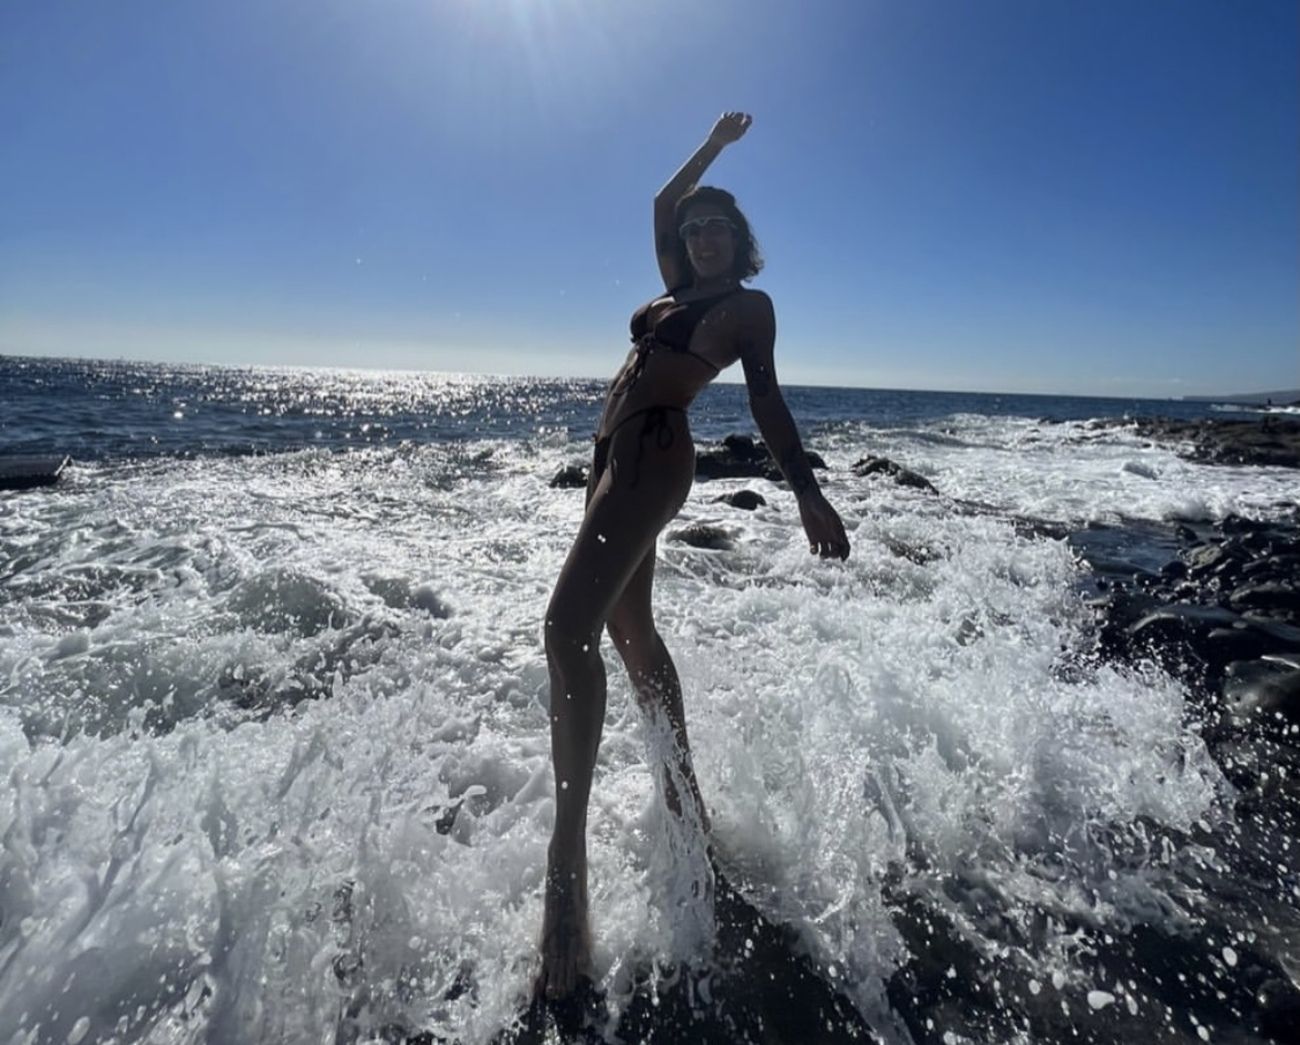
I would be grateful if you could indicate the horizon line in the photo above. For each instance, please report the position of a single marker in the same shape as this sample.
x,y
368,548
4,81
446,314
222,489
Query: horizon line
x,y
496,375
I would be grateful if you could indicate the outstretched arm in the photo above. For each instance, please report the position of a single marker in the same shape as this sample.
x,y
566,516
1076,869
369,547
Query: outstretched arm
x,y
730,127
822,524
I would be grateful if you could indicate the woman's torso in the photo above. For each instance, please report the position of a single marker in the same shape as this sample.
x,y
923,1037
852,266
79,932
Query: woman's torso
x,y
682,341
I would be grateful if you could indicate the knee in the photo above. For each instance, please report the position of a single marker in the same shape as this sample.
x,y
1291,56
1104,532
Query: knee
x,y
570,646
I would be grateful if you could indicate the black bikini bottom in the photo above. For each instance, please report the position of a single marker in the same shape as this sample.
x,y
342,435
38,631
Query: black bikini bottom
x,y
656,425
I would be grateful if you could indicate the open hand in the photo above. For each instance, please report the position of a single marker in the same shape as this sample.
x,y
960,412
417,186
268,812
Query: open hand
x,y
731,126
825,529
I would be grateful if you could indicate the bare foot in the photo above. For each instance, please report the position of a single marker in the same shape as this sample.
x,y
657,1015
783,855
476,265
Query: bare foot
x,y
566,937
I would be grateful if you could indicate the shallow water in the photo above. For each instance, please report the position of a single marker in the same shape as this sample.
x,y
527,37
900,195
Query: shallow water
x,y
275,728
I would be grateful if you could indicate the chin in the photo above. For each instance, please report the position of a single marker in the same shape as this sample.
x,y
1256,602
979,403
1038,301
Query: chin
x,y
711,271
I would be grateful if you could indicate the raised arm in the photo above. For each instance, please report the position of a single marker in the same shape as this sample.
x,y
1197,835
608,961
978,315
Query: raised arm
x,y
822,524
730,127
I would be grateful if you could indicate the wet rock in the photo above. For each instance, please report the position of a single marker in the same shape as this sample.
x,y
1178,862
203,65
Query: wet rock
x,y
743,457
743,448
1250,638
1279,1008
917,553
1285,565
1290,659
1263,693
1271,441
747,500
1280,636
875,465
399,594
26,473
570,477
1032,526
1118,610
1208,558
1181,619
704,535
1269,596
1173,571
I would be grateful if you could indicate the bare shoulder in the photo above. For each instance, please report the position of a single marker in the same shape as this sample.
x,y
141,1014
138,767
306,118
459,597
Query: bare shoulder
x,y
757,313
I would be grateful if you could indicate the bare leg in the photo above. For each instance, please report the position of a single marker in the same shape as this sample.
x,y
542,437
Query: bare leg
x,y
654,680
620,527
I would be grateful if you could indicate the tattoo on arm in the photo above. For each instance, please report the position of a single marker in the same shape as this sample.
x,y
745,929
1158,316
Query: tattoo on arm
x,y
757,375
798,471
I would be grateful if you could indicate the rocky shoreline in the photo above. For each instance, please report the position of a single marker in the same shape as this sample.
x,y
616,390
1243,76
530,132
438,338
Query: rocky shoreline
x,y
1216,606
1270,441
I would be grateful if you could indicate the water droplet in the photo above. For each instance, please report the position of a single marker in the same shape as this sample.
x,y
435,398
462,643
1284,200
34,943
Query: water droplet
x,y
1100,999
1035,987
1230,956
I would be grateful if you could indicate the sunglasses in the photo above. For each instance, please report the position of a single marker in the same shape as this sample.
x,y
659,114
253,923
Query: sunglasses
x,y
705,226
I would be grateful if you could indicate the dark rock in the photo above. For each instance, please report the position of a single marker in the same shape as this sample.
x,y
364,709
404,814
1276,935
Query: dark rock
x,y
704,535
743,457
1271,441
1249,638
721,464
1285,565
746,499
1181,618
570,477
1030,526
1117,611
1223,645
1263,693
917,553
874,465
1279,1008
1208,558
26,473
1175,636
743,447
1270,596
1281,636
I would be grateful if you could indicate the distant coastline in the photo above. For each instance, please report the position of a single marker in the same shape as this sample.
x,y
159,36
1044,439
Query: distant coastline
x,y
1289,397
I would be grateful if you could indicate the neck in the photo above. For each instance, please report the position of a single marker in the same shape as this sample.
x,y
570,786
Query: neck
x,y
714,284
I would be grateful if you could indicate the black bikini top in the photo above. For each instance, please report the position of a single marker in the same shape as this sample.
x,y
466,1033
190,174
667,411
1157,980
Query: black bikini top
x,y
675,325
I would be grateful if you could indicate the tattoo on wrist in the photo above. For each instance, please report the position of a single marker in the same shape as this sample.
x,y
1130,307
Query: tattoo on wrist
x,y
798,471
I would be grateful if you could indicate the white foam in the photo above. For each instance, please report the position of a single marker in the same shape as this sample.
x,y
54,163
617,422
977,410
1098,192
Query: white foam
x,y
208,859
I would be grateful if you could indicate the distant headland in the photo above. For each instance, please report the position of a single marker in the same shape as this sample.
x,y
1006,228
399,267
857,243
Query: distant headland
x,y
1290,397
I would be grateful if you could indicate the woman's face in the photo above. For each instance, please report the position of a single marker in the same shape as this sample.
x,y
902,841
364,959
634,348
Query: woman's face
x,y
710,240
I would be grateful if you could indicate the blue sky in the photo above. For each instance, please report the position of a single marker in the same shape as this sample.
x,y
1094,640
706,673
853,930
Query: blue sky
x,y
1017,195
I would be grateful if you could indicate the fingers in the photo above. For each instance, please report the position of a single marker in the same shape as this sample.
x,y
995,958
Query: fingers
x,y
830,549
735,123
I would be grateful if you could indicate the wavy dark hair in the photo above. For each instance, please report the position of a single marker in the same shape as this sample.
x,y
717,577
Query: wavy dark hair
x,y
748,260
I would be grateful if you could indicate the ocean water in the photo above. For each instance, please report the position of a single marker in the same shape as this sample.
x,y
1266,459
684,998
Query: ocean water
x,y
273,716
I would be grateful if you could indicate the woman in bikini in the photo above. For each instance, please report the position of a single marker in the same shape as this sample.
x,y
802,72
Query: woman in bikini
x,y
642,469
